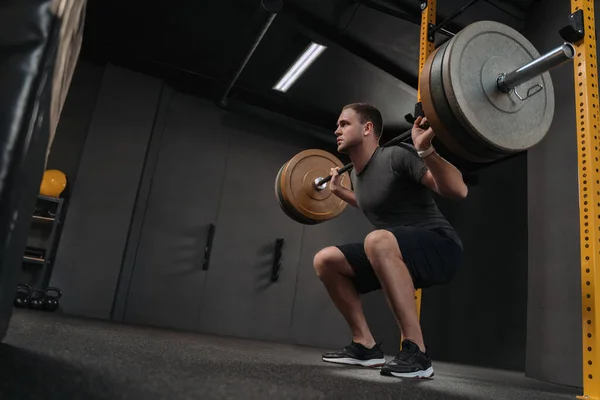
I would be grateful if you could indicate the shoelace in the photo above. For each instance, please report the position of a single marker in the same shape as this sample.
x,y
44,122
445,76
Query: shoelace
x,y
349,348
406,354
353,346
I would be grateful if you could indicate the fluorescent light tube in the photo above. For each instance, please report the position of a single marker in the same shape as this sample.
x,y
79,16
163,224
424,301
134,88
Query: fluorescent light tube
x,y
305,60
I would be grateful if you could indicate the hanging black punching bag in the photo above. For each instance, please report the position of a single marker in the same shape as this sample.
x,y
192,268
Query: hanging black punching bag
x,y
40,42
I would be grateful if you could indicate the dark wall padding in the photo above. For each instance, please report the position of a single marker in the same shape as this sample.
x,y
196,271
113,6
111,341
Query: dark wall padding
x,y
34,38
480,317
239,299
94,236
167,255
211,166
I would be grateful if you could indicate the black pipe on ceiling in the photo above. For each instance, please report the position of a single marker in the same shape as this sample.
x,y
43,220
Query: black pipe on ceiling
x,y
271,8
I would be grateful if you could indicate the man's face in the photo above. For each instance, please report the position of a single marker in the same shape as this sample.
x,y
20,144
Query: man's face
x,y
350,132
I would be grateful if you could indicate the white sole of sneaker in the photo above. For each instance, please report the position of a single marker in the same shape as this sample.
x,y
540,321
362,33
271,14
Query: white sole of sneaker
x,y
428,373
376,362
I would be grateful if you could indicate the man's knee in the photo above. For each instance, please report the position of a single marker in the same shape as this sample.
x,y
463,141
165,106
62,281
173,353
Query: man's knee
x,y
380,243
327,261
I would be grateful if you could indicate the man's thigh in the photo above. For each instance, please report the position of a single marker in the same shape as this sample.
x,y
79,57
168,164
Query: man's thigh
x,y
365,280
431,257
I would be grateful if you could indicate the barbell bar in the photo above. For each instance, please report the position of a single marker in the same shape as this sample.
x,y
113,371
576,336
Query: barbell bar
x,y
470,89
507,82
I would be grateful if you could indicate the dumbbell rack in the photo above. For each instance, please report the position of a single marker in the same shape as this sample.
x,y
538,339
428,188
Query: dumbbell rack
x,y
38,260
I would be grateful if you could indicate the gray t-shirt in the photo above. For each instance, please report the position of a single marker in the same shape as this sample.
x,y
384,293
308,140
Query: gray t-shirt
x,y
389,193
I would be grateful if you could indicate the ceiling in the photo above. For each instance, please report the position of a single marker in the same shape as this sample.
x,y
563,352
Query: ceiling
x,y
199,45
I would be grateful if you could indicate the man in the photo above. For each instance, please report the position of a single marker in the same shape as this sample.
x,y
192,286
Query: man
x,y
413,246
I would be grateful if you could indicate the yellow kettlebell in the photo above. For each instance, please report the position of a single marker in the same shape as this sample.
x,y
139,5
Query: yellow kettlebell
x,y
53,183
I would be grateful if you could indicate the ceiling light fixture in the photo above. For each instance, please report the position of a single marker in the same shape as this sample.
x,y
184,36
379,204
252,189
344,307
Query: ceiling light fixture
x,y
297,69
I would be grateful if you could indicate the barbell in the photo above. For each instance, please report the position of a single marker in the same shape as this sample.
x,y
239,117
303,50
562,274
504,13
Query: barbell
x,y
487,93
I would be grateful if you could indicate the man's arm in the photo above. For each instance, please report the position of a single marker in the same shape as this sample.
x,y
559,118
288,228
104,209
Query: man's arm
x,y
335,184
443,178
346,195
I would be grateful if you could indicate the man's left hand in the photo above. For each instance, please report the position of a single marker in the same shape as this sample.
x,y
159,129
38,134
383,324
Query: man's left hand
x,y
421,137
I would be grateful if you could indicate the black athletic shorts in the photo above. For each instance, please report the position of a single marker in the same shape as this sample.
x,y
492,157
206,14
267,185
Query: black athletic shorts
x,y
432,258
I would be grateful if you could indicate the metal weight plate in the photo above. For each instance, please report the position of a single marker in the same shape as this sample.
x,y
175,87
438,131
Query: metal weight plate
x,y
437,110
278,195
461,132
298,193
477,55
284,207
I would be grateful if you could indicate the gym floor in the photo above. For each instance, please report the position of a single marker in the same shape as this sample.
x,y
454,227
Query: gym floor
x,y
49,356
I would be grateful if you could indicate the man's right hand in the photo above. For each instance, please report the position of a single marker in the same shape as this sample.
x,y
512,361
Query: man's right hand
x,y
335,184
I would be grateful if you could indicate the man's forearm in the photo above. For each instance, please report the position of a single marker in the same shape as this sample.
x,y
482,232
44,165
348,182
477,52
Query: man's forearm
x,y
448,178
346,195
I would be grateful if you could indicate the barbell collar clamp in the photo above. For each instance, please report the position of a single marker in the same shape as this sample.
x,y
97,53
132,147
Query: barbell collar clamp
x,y
320,184
507,82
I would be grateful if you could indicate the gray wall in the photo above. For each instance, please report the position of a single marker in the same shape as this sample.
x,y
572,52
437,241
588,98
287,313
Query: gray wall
x,y
110,263
94,236
554,350
74,123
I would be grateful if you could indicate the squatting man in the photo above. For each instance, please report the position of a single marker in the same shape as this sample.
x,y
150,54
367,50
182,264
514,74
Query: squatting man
x,y
412,246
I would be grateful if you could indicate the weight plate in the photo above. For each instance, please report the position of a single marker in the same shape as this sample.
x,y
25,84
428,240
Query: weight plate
x,y
278,191
298,190
446,128
471,65
284,207
473,148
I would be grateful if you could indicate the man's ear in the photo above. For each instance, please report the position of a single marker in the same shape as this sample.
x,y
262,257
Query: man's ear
x,y
369,128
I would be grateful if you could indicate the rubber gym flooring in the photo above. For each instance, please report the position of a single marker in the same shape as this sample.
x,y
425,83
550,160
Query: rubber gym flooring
x,y
49,356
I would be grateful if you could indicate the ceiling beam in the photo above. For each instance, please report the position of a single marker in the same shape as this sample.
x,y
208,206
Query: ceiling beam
x,y
266,13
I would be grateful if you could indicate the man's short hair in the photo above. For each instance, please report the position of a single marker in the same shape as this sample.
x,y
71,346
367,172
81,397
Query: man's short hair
x,y
368,113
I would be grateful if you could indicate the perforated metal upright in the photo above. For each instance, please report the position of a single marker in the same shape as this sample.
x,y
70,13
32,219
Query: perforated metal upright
x,y
428,16
588,139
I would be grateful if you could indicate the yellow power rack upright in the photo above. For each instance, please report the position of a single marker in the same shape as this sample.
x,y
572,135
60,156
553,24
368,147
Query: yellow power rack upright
x,y
588,135
428,16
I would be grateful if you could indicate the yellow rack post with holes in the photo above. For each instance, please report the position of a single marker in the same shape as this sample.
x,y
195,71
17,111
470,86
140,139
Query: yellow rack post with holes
x,y
428,16
587,112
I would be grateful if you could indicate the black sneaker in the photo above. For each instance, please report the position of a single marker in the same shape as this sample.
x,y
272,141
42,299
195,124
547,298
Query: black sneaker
x,y
411,362
357,354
